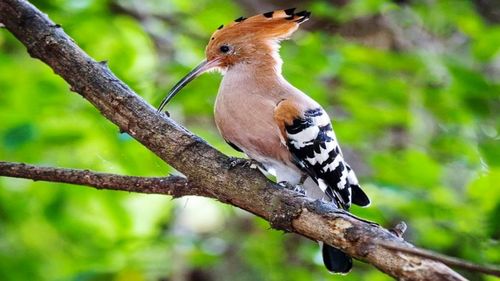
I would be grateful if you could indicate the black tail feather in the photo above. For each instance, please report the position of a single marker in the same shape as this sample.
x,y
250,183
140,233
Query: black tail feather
x,y
359,197
335,260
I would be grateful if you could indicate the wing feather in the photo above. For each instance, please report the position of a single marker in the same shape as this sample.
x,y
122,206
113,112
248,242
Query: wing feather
x,y
311,140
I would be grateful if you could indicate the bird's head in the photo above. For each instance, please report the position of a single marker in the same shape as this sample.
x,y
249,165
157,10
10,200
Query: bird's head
x,y
245,40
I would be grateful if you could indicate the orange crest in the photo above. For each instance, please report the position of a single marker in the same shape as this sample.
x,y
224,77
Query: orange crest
x,y
245,36
276,25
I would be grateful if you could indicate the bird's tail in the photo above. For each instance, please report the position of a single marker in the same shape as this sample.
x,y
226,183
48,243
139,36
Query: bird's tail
x,y
335,260
359,197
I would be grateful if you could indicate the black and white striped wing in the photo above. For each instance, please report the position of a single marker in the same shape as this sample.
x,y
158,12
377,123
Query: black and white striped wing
x,y
313,144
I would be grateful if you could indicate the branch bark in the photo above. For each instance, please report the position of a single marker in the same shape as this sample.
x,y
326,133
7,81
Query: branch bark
x,y
492,270
206,168
173,185
177,187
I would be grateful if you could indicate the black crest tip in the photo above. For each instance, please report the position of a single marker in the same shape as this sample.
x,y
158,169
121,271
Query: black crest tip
x,y
303,16
268,14
290,11
240,19
302,13
220,27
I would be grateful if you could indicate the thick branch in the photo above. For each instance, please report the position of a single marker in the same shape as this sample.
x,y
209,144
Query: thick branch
x,y
178,186
203,165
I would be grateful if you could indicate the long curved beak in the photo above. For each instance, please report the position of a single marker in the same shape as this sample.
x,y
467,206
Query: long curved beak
x,y
197,71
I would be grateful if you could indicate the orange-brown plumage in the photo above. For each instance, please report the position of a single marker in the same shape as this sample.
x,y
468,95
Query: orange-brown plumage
x,y
253,37
285,112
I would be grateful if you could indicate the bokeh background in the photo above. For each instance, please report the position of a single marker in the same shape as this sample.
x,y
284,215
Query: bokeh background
x,y
413,88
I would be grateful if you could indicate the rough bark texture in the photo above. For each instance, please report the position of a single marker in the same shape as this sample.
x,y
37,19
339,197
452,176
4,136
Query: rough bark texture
x,y
204,166
173,185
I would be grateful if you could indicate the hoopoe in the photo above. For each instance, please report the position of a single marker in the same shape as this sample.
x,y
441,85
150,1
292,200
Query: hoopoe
x,y
261,114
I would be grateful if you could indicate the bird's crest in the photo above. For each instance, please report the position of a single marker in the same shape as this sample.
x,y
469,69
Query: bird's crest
x,y
277,25
247,40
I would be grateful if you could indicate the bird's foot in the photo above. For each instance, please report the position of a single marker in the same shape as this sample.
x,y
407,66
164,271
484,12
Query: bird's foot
x,y
399,229
297,188
250,163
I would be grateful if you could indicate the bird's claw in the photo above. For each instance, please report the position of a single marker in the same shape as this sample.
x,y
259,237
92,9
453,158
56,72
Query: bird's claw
x,y
297,188
399,229
234,162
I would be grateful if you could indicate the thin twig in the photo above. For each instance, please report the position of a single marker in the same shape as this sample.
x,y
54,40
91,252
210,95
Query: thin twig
x,y
173,185
451,261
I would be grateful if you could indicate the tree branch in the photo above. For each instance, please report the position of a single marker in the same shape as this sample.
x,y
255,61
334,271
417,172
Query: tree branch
x,y
206,167
177,187
492,270
173,185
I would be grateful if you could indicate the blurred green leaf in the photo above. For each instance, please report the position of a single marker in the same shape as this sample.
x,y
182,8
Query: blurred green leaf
x,y
414,101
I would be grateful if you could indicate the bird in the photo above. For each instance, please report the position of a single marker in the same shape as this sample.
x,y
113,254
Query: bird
x,y
258,112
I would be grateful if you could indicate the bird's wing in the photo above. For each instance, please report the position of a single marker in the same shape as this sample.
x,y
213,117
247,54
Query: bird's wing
x,y
309,137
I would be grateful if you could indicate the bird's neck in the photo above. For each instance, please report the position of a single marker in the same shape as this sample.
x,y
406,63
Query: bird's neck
x,y
258,77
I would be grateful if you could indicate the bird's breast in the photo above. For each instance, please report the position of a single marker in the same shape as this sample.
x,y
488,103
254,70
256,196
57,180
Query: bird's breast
x,y
246,119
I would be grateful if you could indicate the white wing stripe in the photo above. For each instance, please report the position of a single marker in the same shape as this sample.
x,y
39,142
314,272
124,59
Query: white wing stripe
x,y
332,166
322,185
323,155
303,137
352,177
343,180
321,120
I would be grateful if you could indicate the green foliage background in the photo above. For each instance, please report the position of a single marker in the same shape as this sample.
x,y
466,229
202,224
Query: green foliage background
x,y
419,123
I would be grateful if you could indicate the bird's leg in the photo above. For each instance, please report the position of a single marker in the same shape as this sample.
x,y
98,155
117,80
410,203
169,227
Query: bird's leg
x,y
234,162
300,187
297,188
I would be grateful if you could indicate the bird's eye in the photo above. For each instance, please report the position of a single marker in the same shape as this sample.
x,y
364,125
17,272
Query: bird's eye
x,y
225,49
